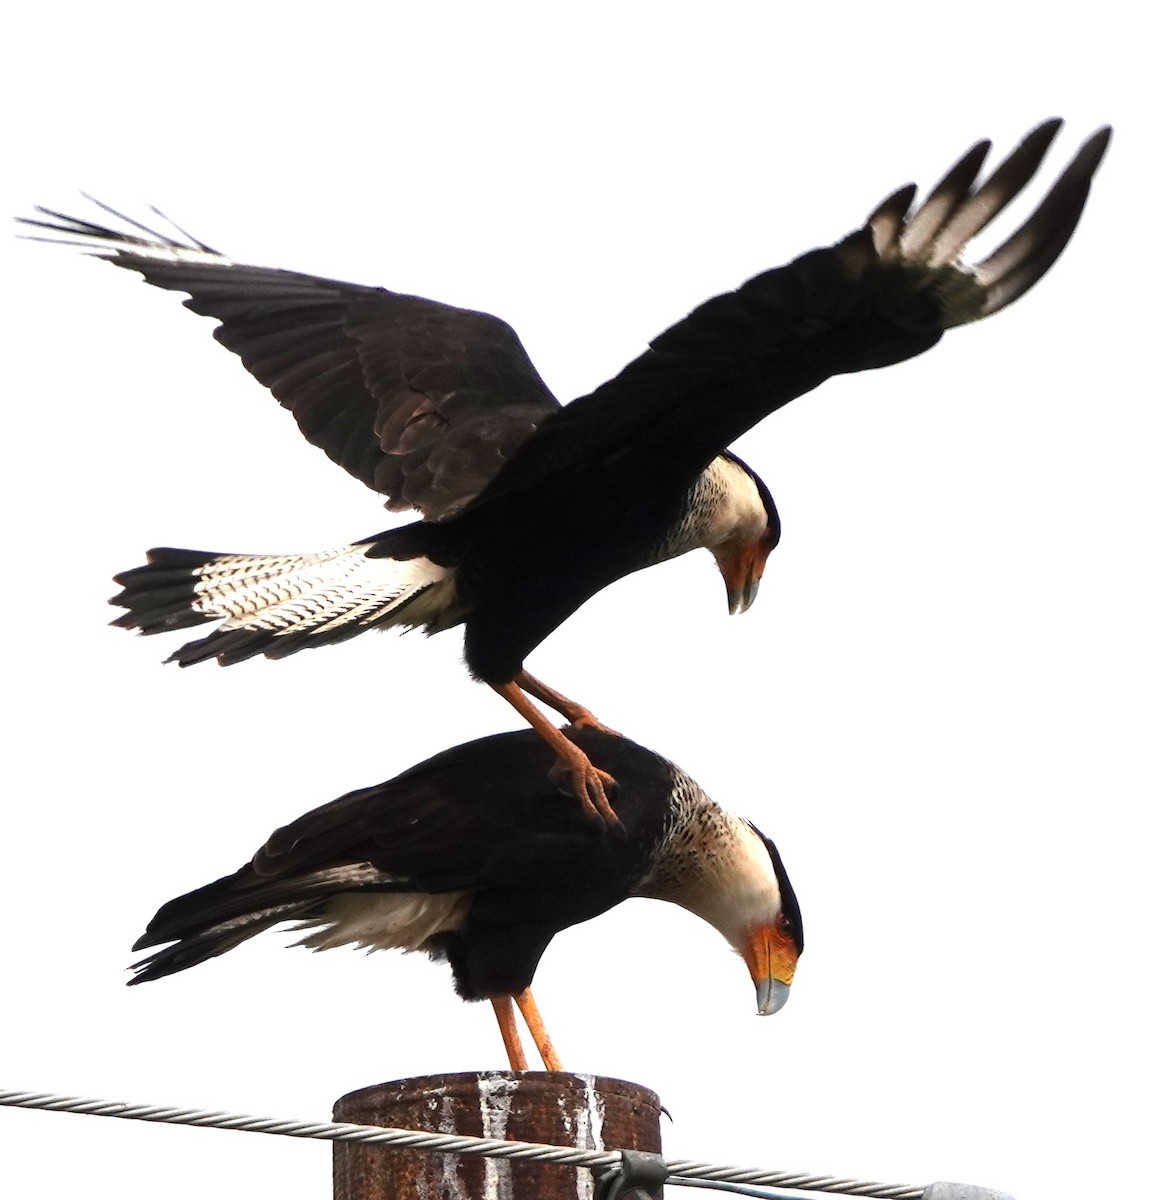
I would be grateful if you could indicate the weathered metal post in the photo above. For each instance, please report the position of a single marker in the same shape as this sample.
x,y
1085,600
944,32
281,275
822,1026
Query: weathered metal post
x,y
583,1111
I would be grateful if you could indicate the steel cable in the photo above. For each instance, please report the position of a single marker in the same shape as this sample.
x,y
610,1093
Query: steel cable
x,y
411,1139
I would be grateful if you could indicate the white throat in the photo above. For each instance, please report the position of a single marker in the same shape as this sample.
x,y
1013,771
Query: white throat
x,y
713,864
723,507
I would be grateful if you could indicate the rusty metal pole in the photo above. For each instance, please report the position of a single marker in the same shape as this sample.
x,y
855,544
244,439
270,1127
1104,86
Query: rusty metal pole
x,y
557,1107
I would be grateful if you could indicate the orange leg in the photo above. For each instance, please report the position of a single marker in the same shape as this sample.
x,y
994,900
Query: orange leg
x,y
587,782
573,712
506,1019
532,1016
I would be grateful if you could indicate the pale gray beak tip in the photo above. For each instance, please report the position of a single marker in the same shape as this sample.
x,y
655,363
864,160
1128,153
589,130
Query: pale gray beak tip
x,y
740,599
771,995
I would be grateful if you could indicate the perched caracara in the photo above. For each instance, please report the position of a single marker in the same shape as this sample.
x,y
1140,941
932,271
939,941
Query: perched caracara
x,y
528,509
474,857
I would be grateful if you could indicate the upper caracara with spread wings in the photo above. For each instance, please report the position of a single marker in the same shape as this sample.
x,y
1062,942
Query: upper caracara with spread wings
x,y
528,508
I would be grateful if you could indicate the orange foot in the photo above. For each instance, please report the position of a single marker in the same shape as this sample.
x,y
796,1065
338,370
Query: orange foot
x,y
581,778
575,773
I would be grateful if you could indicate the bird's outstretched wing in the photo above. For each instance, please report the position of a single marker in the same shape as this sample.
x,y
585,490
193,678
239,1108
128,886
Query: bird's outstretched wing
x,y
421,401
881,295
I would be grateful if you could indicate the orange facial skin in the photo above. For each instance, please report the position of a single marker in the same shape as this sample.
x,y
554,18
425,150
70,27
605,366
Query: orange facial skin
x,y
742,567
771,956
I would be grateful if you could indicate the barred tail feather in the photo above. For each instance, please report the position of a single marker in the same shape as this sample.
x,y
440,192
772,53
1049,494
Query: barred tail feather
x,y
275,604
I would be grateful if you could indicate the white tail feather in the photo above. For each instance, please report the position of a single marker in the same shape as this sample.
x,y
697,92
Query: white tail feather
x,y
384,920
310,592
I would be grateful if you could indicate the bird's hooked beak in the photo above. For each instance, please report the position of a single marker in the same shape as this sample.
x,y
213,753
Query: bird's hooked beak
x,y
742,571
771,957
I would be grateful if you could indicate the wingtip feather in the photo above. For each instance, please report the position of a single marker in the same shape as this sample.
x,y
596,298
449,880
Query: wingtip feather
x,y
943,200
995,193
956,211
887,220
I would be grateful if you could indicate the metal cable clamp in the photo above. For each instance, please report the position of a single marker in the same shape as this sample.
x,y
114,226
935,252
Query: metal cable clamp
x,y
637,1177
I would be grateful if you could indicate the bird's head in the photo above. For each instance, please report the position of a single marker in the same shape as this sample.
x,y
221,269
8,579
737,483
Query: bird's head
x,y
727,872
765,925
748,529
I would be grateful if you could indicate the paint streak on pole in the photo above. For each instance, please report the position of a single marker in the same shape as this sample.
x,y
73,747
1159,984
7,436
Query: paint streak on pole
x,y
557,1107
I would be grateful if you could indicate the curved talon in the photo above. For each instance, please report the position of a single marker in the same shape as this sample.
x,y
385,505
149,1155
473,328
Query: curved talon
x,y
589,784
596,784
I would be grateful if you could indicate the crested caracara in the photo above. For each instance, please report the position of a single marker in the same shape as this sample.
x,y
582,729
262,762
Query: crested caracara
x,y
527,508
474,857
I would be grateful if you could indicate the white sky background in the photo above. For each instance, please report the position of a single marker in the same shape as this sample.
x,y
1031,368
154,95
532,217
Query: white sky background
x,y
943,707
